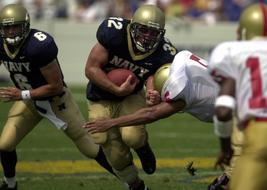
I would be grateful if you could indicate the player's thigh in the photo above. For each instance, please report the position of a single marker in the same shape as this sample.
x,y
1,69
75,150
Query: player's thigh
x,y
22,118
132,103
66,109
133,136
98,110
115,149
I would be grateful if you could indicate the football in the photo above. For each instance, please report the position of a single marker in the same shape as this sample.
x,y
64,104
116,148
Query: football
x,y
119,76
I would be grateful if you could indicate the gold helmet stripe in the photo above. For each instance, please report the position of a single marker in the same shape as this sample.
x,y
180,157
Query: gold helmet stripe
x,y
264,12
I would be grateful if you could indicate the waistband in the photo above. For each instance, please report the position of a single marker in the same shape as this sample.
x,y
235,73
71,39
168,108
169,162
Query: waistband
x,y
263,119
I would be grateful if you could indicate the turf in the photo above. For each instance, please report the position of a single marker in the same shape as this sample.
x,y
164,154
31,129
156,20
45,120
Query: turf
x,y
48,160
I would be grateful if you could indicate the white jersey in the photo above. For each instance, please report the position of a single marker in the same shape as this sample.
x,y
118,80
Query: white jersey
x,y
190,81
246,63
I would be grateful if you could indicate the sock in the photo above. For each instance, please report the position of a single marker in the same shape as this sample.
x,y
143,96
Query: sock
x,y
9,161
102,161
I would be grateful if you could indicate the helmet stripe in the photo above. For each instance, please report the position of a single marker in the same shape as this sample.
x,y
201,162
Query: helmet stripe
x,y
264,11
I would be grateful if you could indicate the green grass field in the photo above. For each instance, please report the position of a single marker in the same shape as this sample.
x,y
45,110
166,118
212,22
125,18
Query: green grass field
x,y
49,161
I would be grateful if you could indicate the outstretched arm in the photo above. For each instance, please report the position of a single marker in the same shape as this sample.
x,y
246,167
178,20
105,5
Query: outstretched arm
x,y
142,116
224,106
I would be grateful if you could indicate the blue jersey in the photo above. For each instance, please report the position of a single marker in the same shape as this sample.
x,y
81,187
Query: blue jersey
x,y
24,64
113,33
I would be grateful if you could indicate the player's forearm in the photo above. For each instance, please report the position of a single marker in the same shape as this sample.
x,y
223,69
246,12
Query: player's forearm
x,y
46,91
143,116
98,77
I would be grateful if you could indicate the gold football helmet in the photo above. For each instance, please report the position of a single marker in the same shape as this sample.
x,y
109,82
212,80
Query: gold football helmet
x,y
253,22
161,76
14,24
147,27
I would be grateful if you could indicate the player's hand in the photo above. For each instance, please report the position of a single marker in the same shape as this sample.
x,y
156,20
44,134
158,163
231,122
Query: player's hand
x,y
8,94
97,126
127,87
152,97
226,153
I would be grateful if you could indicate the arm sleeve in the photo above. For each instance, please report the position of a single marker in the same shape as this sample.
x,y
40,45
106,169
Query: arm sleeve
x,y
220,61
43,52
102,34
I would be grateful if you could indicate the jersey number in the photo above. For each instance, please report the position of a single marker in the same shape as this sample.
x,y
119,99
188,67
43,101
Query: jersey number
x,y
40,36
22,81
197,59
115,22
257,100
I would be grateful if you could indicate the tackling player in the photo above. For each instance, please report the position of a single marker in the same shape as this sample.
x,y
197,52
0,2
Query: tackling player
x,y
242,70
138,45
30,56
187,88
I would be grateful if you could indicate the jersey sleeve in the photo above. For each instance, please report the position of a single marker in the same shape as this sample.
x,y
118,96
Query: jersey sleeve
x,y
177,80
101,35
220,62
43,49
108,33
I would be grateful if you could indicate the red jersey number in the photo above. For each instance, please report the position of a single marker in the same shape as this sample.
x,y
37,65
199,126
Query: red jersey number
x,y
257,100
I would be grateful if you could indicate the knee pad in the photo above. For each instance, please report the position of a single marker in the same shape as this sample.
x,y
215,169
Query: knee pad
x,y
134,137
100,138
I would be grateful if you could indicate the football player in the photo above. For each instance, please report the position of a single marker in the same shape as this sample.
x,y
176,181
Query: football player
x,y
140,46
240,69
30,56
185,86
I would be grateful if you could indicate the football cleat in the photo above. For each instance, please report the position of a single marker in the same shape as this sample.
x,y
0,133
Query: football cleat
x,y
220,183
141,186
4,186
147,159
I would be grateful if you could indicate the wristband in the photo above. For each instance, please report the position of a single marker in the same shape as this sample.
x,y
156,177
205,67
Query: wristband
x,y
225,101
25,95
223,129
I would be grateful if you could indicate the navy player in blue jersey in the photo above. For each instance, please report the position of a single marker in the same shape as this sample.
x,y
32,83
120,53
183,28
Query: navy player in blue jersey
x,y
140,46
30,56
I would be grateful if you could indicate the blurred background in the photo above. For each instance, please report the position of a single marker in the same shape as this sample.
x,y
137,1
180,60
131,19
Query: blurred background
x,y
196,25
209,11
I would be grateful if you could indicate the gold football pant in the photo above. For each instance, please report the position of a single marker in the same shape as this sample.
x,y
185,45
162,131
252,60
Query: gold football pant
x,y
116,142
237,141
23,117
250,169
